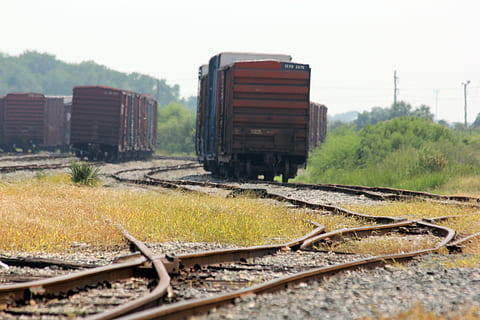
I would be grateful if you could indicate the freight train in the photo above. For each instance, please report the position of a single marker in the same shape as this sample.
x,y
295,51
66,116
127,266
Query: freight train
x,y
254,116
98,122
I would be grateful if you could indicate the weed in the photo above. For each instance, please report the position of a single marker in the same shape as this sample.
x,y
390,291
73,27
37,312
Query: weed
x,y
84,173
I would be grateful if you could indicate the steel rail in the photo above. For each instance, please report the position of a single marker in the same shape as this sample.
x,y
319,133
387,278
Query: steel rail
x,y
388,193
153,170
12,293
392,194
196,260
147,301
176,184
189,261
457,246
362,232
34,167
23,157
192,307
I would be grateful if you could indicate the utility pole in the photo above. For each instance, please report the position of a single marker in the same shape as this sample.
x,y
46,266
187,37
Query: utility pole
x,y
464,84
395,90
436,104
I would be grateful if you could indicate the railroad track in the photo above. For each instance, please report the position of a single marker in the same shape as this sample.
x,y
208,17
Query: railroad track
x,y
17,294
208,269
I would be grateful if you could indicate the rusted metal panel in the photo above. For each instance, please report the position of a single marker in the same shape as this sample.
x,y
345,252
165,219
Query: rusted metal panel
x,y
318,124
96,115
216,63
2,110
55,123
24,119
268,116
113,120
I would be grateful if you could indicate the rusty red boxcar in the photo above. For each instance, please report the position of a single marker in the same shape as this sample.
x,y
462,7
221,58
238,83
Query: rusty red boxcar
x,y
112,124
23,120
2,99
31,121
253,115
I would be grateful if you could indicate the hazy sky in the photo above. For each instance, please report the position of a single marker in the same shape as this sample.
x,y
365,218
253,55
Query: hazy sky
x,y
353,47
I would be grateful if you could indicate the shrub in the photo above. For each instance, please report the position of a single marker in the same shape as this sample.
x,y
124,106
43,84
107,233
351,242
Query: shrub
x,y
411,153
84,174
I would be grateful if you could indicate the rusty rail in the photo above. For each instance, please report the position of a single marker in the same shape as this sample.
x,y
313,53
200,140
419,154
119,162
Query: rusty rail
x,y
10,294
149,300
188,308
133,309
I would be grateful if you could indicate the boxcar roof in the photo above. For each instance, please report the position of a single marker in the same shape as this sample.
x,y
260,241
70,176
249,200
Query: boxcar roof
x,y
227,58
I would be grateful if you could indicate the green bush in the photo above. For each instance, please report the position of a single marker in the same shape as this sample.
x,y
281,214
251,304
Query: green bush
x,y
84,174
409,152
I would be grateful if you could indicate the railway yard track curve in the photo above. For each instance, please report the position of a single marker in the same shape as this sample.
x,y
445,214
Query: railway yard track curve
x,y
291,280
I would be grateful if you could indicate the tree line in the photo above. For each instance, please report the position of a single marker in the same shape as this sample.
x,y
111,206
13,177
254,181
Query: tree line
x,y
32,71
400,109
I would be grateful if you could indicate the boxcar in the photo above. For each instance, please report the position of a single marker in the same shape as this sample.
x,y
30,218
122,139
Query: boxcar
x,y
2,99
32,121
23,121
112,124
318,125
253,115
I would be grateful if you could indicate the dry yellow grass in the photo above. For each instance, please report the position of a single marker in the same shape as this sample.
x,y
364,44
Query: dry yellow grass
x,y
380,245
467,221
424,209
50,213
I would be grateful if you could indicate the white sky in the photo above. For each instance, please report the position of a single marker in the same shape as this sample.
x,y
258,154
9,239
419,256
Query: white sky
x,y
353,47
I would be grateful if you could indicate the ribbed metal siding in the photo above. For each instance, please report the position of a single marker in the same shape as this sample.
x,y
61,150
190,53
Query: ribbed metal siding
x,y
266,106
96,116
124,120
2,110
24,119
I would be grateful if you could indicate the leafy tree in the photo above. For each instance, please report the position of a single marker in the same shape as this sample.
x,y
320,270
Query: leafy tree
x,y
176,129
401,109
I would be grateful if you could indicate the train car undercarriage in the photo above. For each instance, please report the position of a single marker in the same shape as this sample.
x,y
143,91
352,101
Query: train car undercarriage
x,y
251,166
